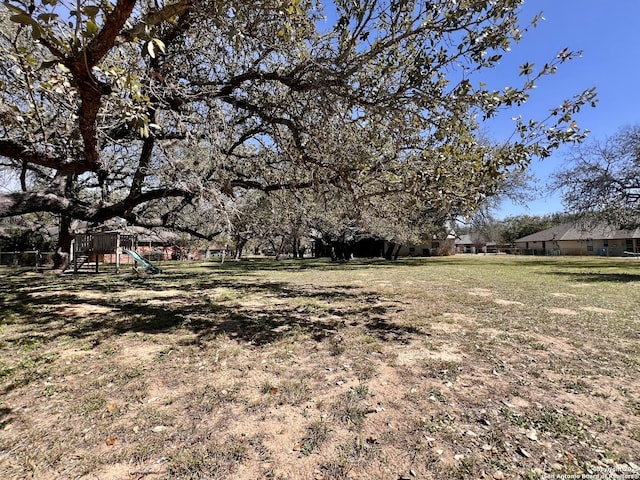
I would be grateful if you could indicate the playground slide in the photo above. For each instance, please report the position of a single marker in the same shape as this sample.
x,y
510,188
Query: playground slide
x,y
148,266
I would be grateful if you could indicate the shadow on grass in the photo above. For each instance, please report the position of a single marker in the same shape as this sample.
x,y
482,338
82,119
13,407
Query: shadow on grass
x,y
5,418
597,277
93,309
246,266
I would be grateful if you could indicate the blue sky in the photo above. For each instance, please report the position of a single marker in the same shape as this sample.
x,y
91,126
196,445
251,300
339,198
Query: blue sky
x,y
608,33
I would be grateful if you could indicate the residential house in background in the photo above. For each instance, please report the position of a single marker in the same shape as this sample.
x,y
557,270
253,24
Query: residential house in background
x,y
435,247
161,244
471,243
478,243
571,239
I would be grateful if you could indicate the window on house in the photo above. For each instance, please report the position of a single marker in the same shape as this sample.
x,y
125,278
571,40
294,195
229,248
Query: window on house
x,y
589,248
412,249
435,244
606,243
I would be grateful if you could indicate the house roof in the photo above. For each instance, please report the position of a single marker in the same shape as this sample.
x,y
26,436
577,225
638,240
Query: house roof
x,y
469,239
569,231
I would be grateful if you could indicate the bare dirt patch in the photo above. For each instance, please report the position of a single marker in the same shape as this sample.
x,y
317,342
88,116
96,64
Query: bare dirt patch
x,y
501,301
141,352
446,327
563,295
597,310
38,293
562,311
415,356
480,292
148,294
459,317
82,310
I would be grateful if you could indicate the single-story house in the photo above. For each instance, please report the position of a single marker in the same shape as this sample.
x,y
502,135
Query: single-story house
x,y
162,244
477,243
435,247
572,239
471,243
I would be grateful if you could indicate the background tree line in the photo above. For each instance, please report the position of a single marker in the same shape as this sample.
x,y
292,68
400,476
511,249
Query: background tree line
x,y
506,231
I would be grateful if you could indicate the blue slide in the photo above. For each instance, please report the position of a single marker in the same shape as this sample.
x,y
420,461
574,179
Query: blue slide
x,y
142,261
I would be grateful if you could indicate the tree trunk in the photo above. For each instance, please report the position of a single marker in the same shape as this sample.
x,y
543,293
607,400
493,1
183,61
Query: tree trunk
x,y
239,247
277,250
395,255
336,251
388,254
61,257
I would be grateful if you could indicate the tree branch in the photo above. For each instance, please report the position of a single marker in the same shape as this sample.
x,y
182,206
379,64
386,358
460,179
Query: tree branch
x,y
12,204
14,150
252,184
104,40
155,18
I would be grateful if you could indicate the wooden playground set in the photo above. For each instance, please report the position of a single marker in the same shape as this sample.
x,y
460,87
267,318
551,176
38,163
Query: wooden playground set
x,y
111,249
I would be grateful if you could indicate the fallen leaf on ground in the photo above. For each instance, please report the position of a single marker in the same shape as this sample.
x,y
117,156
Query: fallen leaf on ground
x,y
523,452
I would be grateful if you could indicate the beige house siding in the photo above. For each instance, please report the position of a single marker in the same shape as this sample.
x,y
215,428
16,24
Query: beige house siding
x,y
576,247
601,247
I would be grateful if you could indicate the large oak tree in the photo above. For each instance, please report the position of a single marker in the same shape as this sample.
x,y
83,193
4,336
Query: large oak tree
x,y
156,112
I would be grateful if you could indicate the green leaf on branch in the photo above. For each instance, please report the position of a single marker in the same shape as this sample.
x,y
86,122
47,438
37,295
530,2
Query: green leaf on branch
x,y
526,69
48,64
25,19
92,28
91,10
47,17
14,9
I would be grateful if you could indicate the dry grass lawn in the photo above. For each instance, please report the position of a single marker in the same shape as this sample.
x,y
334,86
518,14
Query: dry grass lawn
x,y
440,368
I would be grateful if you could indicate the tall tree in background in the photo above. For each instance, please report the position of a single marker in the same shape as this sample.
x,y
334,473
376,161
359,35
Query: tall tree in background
x,y
279,220
602,183
155,111
518,226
